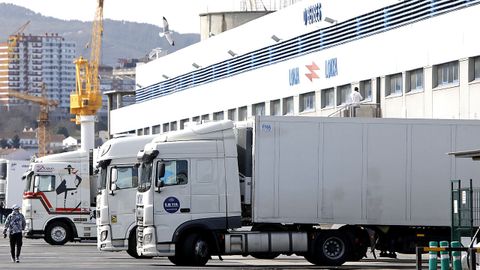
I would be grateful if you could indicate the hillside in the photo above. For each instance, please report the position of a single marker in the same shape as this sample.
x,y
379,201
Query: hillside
x,y
121,39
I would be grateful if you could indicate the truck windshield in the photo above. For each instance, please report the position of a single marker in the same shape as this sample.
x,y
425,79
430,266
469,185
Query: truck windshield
x,y
145,177
3,170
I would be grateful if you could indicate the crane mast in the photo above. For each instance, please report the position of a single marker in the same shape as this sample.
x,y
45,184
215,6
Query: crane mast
x,y
45,104
87,98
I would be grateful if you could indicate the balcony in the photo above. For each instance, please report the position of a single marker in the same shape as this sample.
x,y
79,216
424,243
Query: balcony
x,y
367,110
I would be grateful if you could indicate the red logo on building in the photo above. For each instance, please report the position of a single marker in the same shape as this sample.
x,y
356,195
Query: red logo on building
x,y
312,75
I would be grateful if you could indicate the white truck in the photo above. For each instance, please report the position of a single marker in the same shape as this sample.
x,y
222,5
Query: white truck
x,y
59,198
118,170
290,179
11,184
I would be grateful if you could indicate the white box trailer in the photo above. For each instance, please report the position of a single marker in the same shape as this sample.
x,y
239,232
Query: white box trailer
x,y
388,177
15,185
358,171
11,184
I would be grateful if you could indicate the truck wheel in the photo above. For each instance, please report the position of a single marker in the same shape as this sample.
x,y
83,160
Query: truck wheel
x,y
195,250
175,260
332,248
57,233
359,241
132,247
311,258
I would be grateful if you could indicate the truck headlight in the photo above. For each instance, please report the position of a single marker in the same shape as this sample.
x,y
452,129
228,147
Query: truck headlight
x,y
147,238
103,235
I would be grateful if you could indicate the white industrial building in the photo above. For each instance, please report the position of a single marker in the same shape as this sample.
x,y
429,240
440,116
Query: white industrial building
x,y
414,59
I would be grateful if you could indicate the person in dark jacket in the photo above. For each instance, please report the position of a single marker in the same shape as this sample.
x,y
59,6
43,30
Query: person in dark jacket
x,y
15,224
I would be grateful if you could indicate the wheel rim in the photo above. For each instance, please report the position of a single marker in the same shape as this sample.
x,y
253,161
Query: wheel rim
x,y
58,233
333,248
201,248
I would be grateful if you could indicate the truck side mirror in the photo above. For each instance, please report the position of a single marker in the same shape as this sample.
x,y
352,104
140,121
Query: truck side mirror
x,y
160,185
113,180
160,170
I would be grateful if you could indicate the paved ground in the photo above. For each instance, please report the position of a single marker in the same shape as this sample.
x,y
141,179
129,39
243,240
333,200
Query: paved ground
x,y
37,254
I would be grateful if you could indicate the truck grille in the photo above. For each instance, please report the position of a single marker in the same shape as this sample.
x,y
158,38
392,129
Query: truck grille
x,y
140,235
139,215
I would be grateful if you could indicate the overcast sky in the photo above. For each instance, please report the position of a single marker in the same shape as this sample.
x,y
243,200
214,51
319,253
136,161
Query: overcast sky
x,y
182,15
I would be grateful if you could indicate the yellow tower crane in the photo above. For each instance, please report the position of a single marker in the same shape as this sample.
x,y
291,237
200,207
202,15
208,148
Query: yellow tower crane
x,y
15,36
45,104
87,98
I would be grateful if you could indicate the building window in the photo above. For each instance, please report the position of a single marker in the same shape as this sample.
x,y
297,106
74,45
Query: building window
x,y
477,67
146,131
288,106
394,84
232,114
275,108
183,122
166,127
242,113
343,93
366,89
140,132
446,73
173,126
327,97
218,116
205,117
474,69
414,80
307,102
196,119
156,129
258,109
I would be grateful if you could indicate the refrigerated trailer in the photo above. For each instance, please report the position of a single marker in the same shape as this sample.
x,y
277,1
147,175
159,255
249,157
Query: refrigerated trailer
x,y
289,178
11,184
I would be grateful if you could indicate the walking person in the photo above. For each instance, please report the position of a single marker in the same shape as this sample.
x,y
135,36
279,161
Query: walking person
x,y
15,224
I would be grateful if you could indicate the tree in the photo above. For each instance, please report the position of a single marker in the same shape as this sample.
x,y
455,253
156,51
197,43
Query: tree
x,y
63,130
16,141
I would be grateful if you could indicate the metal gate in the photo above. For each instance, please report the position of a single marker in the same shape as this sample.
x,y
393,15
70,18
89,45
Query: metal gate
x,y
465,202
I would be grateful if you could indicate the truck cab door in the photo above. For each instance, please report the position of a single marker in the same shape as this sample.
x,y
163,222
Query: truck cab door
x,y
172,197
68,194
44,187
121,199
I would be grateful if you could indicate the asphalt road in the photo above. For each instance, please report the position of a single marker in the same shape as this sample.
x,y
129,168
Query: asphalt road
x,y
36,254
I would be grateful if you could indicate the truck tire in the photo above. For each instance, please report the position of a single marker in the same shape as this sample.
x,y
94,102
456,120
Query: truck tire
x,y
360,241
57,233
132,247
195,251
332,248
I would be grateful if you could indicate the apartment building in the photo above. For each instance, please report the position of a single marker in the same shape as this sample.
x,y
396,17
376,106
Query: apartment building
x,y
28,61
